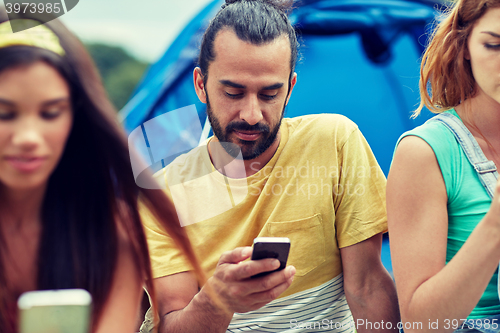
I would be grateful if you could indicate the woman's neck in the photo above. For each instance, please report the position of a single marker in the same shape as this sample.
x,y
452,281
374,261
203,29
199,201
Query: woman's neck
x,y
20,207
482,114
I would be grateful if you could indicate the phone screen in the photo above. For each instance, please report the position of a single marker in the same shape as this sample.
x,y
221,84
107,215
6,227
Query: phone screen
x,y
61,311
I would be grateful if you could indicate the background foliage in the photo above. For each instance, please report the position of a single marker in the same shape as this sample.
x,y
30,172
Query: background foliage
x,y
120,71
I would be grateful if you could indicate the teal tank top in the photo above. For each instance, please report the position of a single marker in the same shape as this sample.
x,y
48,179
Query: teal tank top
x,y
468,200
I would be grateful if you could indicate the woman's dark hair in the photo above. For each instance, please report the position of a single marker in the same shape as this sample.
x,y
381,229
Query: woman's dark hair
x,y
92,194
255,21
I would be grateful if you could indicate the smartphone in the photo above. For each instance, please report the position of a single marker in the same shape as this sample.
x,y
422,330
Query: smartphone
x,y
271,247
55,311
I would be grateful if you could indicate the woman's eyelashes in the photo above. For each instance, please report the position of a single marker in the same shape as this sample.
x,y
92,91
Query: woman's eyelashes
x,y
492,46
51,114
6,115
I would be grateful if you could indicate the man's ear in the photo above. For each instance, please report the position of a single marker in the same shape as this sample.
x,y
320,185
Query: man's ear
x,y
199,85
292,84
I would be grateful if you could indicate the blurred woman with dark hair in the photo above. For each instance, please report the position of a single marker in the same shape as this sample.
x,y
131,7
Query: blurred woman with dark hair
x,y
443,193
68,200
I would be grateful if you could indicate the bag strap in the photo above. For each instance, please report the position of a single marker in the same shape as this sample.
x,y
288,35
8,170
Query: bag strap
x,y
486,169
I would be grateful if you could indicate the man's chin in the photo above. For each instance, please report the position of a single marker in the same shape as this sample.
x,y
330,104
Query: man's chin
x,y
249,150
251,153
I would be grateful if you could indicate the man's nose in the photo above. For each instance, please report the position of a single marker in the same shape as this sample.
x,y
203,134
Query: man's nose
x,y
251,112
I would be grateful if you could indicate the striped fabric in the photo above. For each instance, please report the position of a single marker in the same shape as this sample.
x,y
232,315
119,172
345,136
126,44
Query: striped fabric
x,y
321,309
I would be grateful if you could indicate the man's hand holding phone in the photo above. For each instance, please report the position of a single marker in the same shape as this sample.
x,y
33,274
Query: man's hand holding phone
x,y
271,247
236,285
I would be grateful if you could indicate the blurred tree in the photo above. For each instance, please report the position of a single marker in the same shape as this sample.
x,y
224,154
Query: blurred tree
x,y
120,71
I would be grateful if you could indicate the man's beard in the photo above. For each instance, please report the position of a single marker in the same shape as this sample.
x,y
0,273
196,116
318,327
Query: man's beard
x,y
249,149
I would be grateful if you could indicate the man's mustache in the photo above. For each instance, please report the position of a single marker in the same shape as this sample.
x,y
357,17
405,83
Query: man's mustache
x,y
244,126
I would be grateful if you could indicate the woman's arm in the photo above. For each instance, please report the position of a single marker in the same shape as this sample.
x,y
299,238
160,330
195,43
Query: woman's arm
x,y
120,311
429,290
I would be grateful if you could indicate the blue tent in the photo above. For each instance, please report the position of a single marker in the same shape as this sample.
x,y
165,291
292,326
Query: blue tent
x,y
359,58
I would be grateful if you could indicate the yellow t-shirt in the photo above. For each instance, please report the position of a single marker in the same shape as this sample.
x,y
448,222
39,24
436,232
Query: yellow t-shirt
x,y
323,189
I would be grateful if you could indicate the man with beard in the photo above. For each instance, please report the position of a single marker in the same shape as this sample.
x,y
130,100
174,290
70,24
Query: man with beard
x,y
312,179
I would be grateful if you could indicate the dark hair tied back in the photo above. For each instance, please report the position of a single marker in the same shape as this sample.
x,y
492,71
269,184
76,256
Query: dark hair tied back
x,y
283,5
254,21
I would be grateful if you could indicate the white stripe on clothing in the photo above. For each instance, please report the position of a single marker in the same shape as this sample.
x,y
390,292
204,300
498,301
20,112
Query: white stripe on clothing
x,y
322,309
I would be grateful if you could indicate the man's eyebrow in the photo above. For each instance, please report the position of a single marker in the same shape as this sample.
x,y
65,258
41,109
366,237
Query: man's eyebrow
x,y
240,86
491,33
273,86
232,84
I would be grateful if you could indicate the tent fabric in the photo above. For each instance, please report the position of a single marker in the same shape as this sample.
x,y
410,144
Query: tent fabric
x,y
359,58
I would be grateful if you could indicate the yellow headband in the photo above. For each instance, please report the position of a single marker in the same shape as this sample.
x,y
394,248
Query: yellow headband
x,y
38,36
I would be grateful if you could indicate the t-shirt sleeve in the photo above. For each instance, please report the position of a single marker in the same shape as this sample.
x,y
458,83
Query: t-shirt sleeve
x,y
359,196
166,257
447,152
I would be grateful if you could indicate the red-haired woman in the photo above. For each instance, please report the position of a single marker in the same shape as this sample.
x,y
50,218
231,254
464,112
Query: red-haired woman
x,y
443,212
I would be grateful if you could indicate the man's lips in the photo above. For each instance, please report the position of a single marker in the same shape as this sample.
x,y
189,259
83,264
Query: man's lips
x,y
25,163
247,135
